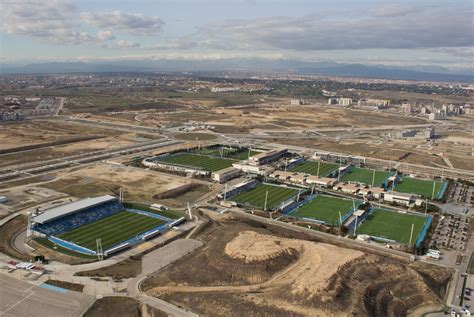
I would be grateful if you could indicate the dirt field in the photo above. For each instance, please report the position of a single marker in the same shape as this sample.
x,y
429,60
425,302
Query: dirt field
x,y
138,184
7,232
122,306
67,285
38,132
130,267
248,270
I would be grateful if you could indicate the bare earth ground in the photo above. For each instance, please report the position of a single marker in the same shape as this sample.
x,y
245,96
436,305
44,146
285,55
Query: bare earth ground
x,y
282,117
122,306
99,179
246,270
37,132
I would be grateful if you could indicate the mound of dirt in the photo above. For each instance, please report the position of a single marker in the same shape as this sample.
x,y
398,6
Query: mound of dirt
x,y
251,246
242,267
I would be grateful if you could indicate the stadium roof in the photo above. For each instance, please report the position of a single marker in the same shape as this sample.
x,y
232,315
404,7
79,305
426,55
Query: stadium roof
x,y
72,207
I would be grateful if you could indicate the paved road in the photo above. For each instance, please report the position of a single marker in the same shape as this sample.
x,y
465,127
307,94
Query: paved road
x,y
153,262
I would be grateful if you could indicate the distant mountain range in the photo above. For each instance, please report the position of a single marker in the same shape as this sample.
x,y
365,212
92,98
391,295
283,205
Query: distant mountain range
x,y
426,73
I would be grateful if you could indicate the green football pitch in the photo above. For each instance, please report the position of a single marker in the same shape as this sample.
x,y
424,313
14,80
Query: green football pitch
x,y
365,176
393,225
204,162
311,167
227,152
256,196
420,187
325,208
111,230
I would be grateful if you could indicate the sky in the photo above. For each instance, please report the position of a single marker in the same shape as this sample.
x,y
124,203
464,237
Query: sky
x,y
398,33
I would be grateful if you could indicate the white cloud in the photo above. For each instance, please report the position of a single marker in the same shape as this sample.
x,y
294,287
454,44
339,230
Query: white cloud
x,y
105,35
392,27
133,23
60,22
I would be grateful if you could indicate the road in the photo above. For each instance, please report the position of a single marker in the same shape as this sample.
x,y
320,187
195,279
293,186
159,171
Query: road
x,y
155,261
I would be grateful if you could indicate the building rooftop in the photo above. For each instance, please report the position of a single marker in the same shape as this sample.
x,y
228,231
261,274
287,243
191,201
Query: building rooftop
x,y
72,207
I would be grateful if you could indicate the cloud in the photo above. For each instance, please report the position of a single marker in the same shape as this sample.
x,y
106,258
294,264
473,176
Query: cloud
x,y
394,27
60,22
105,35
133,23
50,20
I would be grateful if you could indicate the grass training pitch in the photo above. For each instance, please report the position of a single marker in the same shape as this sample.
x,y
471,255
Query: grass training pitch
x,y
204,162
112,230
256,196
420,187
311,167
325,208
392,225
365,176
227,152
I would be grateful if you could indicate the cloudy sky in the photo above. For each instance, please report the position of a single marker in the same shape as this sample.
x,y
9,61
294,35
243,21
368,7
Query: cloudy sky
x,y
422,32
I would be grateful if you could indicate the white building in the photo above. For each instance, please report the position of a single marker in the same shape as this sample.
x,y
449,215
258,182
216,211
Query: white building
x,y
267,157
344,101
399,198
297,102
226,174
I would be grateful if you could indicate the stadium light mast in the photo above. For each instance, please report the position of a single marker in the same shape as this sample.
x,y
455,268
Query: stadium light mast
x,y
28,226
189,212
432,194
373,178
411,233
100,254
317,174
340,219
312,188
355,227
426,206
266,198
225,191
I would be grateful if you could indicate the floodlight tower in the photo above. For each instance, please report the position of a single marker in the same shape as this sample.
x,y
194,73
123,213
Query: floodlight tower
x,y
100,253
266,198
340,219
28,226
355,227
433,193
319,163
225,191
373,178
190,215
411,233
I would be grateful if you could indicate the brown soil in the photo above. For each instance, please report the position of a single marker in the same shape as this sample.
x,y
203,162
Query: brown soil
x,y
67,285
130,267
100,179
122,306
249,270
7,232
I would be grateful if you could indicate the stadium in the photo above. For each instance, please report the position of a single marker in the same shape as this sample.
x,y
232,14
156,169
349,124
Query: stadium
x,y
422,187
328,210
100,226
316,168
365,176
393,226
268,197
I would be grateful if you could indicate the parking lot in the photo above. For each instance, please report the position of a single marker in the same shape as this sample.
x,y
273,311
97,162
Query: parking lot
x,y
463,195
452,232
